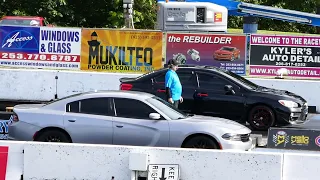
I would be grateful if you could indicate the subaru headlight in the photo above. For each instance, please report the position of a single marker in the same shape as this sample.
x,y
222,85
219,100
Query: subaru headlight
x,y
232,137
289,104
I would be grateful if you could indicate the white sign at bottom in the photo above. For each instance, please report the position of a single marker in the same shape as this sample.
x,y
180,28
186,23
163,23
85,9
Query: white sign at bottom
x,y
163,172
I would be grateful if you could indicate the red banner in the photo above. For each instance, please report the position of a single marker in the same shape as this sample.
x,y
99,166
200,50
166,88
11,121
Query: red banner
x,y
221,50
3,161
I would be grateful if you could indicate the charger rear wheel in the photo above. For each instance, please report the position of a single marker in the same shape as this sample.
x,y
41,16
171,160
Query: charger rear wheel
x,y
53,136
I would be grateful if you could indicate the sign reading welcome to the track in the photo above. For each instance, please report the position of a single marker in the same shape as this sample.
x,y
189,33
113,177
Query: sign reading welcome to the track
x,y
121,50
40,47
296,139
300,55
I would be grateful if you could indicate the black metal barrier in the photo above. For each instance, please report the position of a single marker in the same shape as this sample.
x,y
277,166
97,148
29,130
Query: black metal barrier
x,y
294,139
4,121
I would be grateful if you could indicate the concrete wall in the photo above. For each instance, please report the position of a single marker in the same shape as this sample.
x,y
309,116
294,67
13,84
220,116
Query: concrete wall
x,y
100,162
70,82
15,159
18,84
80,161
301,167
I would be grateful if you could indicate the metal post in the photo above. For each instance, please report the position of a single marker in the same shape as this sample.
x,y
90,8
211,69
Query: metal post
x,y
128,13
250,24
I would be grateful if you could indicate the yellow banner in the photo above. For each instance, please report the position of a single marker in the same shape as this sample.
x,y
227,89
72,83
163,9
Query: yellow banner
x,y
121,51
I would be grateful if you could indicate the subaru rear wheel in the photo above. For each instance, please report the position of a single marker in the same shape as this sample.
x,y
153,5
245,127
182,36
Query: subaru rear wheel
x,y
261,118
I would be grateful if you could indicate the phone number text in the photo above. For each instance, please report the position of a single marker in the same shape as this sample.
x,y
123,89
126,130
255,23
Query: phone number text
x,y
291,64
40,57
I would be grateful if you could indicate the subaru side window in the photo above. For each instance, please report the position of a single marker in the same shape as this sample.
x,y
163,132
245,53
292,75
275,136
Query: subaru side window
x,y
160,78
209,81
95,106
186,78
131,108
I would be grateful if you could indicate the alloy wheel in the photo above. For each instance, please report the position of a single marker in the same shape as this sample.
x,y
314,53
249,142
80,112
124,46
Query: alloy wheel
x,y
261,118
53,139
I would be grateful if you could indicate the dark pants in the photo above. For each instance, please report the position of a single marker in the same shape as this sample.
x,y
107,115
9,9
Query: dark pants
x,y
176,103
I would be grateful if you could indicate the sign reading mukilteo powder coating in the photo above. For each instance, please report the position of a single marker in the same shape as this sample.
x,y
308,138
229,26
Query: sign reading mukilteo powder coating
x,y
300,55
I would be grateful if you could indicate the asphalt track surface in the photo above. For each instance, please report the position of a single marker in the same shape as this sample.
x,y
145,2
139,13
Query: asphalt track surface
x,y
313,122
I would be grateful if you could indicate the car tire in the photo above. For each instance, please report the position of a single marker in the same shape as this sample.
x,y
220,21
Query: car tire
x,y
53,136
201,142
261,118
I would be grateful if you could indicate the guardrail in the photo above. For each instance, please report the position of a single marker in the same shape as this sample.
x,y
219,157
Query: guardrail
x,y
35,160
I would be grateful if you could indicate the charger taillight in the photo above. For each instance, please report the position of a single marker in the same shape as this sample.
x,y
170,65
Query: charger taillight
x,y
15,117
126,86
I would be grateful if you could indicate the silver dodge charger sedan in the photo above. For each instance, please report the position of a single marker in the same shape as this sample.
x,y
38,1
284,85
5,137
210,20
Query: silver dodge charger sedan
x,y
124,118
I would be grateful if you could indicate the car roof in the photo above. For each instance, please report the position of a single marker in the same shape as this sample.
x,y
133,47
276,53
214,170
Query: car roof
x,y
115,93
192,67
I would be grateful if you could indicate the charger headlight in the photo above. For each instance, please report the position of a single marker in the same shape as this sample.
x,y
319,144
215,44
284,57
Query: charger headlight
x,y
289,104
232,137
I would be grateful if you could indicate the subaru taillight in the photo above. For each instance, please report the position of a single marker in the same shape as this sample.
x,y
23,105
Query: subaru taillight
x,y
125,87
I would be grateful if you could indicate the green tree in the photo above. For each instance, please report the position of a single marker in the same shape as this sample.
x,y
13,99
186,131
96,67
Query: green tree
x,y
109,13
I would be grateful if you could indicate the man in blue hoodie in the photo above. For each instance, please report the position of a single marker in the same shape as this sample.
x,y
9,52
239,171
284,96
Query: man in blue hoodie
x,y
172,84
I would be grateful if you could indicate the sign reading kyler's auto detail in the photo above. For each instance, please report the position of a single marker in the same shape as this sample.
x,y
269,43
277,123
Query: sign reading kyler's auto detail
x,y
300,55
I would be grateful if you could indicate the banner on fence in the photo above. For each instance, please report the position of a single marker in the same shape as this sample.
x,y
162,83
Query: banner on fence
x,y
121,51
295,139
40,47
220,50
299,56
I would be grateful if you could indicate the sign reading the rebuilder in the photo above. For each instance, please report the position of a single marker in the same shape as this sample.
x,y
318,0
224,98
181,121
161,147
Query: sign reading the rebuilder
x,y
223,51
300,55
121,51
40,47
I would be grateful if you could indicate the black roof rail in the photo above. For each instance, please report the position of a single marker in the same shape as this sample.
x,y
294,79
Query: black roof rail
x,y
195,65
188,65
211,67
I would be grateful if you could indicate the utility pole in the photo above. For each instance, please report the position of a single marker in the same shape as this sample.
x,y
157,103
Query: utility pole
x,y
128,13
